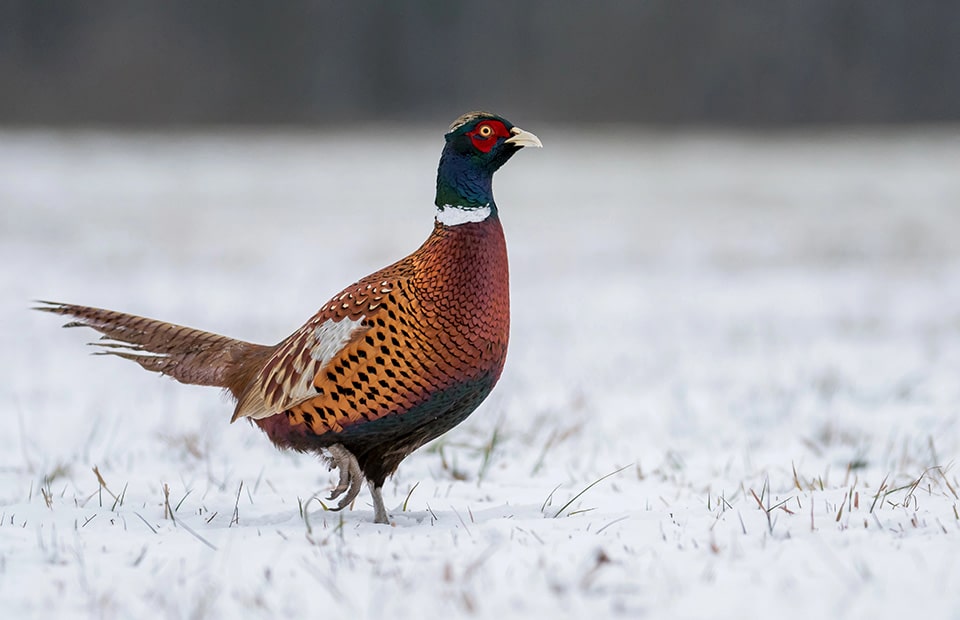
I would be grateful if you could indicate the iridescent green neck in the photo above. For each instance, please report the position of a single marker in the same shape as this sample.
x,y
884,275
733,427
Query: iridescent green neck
x,y
463,181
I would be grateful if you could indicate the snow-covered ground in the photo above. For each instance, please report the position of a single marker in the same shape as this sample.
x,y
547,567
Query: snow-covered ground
x,y
733,388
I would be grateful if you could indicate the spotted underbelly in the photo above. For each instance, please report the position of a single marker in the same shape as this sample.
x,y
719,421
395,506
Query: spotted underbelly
x,y
426,420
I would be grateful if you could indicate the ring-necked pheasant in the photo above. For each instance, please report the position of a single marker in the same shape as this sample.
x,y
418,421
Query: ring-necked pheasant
x,y
393,361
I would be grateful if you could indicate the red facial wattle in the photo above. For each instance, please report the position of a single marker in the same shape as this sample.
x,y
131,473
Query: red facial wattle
x,y
486,134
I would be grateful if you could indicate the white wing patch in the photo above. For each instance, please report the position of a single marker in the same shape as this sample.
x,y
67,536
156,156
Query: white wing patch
x,y
324,344
332,336
288,377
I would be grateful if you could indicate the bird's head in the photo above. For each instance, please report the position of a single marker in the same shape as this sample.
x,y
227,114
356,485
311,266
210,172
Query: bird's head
x,y
478,143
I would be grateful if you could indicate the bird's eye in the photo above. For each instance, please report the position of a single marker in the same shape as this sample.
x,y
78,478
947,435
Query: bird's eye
x,y
485,131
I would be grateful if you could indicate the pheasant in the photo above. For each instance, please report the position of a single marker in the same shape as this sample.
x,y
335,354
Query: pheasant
x,y
390,363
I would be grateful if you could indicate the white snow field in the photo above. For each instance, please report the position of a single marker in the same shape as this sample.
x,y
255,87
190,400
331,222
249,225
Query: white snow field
x,y
733,389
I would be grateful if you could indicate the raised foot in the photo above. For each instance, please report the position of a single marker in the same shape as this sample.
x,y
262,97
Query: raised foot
x,y
351,478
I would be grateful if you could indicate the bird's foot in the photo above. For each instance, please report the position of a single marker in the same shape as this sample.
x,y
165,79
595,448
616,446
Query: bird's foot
x,y
351,478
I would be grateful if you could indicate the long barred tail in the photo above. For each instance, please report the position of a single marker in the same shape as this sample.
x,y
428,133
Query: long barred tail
x,y
188,355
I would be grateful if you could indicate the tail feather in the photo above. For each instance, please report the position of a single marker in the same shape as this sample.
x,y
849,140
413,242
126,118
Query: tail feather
x,y
183,353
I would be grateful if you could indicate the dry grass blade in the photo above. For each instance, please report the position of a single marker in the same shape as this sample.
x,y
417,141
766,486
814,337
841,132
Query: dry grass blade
x,y
796,477
145,522
47,497
406,500
117,499
191,531
462,522
168,513
548,499
876,498
614,522
587,488
758,500
912,488
185,496
167,510
236,507
946,481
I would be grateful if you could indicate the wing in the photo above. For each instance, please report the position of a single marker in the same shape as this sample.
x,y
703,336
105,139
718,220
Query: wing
x,y
394,364
287,377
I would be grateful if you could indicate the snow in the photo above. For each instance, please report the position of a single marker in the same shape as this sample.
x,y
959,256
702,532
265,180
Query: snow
x,y
760,334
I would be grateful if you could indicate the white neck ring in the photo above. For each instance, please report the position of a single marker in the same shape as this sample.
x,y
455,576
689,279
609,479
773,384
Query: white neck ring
x,y
454,215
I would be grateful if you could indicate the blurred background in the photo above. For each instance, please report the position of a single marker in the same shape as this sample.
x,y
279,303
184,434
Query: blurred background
x,y
746,63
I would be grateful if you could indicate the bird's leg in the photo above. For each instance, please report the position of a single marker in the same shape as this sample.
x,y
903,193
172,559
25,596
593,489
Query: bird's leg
x,y
379,512
351,478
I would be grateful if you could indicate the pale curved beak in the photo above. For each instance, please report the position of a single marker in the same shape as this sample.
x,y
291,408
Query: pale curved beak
x,y
523,138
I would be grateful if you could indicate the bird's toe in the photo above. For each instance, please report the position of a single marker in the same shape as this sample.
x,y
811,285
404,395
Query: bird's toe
x,y
351,478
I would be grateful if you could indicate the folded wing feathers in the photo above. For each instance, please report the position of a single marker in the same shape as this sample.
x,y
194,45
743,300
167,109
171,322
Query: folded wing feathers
x,y
287,377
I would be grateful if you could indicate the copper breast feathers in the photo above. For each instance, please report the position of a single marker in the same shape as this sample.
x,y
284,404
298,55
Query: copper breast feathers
x,y
431,322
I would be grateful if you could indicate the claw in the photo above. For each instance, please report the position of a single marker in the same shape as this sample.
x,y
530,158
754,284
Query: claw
x,y
351,478
343,468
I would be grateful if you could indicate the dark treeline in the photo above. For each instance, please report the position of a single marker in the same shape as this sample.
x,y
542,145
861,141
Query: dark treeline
x,y
753,62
